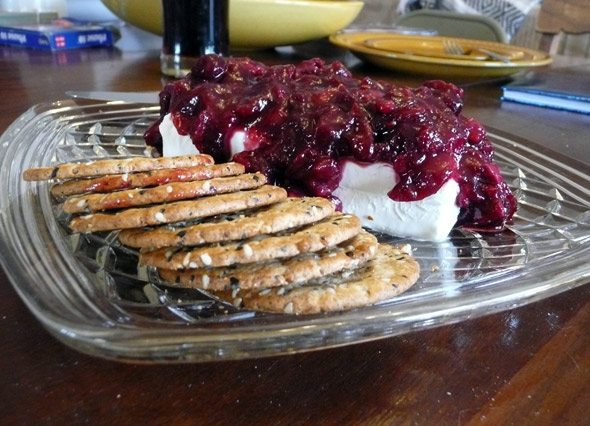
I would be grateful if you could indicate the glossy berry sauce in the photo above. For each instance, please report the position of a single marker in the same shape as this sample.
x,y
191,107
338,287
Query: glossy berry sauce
x,y
302,121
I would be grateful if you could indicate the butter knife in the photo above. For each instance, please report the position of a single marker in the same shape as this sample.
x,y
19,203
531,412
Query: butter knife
x,y
101,95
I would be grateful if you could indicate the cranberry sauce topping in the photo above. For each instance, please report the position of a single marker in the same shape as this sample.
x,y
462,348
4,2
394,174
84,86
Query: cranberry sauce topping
x,y
299,121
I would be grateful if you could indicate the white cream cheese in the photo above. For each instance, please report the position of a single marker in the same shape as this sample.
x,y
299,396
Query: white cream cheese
x,y
363,191
173,143
237,142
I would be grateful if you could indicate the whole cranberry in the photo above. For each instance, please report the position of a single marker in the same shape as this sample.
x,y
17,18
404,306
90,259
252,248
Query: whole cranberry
x,y
208,68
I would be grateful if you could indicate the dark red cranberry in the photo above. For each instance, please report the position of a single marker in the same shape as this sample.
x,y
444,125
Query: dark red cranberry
x,y
301,120
190,107
208,68
450,94
476,132
301,163
325,168
319,188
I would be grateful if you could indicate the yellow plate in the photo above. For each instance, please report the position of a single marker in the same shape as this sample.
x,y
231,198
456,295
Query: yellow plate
x,y
256,24
430,47
425,55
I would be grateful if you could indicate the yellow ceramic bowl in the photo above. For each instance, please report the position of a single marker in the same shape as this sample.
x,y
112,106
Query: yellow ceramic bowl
x,y
256,23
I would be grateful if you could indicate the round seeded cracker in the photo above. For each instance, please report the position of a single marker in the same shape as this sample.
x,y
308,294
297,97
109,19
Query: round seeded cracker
x,y
179,210
174,191
290,213
311,238
114,166
391,272
103,184
344,256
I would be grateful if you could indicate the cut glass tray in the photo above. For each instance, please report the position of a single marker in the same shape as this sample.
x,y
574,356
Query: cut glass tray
x,y
88,291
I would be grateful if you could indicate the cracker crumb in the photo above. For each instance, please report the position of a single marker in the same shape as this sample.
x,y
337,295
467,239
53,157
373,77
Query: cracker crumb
x,y
406,249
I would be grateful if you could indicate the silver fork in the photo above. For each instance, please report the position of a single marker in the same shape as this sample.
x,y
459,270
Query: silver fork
x,y
452,47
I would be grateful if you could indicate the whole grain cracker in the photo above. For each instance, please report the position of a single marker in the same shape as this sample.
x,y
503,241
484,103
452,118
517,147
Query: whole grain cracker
x,y
391,272
178,211
162,194
290,213
114,166
344,256
104,184
311,238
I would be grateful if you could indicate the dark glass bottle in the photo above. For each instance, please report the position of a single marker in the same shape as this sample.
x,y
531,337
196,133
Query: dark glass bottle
x,y
192,28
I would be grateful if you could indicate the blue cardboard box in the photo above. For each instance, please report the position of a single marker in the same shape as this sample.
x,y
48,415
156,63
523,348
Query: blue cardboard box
x,y
59,35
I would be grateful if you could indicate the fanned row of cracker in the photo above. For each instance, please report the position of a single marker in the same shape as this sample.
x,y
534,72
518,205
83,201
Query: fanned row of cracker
x,y
216,228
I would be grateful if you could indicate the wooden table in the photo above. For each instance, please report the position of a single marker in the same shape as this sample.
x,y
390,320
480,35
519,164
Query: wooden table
x,y
530,365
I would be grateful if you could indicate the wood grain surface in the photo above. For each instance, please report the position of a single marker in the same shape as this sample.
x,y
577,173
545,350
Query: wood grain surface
x,y
570,16
526,366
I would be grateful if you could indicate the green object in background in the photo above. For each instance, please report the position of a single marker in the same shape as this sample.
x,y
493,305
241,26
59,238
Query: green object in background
x,y
453,24
9,19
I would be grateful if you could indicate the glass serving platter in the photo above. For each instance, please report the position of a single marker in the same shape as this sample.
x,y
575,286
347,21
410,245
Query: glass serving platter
x,y
88,291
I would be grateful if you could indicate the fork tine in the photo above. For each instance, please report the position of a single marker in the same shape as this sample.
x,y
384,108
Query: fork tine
x,y
452,47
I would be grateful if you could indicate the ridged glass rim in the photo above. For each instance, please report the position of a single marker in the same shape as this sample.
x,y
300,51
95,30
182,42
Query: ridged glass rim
x,y
58,291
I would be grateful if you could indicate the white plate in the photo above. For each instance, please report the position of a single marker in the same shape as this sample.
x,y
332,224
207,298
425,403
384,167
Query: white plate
x,y
88,292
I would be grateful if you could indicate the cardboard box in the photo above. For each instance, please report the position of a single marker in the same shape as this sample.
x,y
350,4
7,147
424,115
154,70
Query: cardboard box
x,y
60,34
